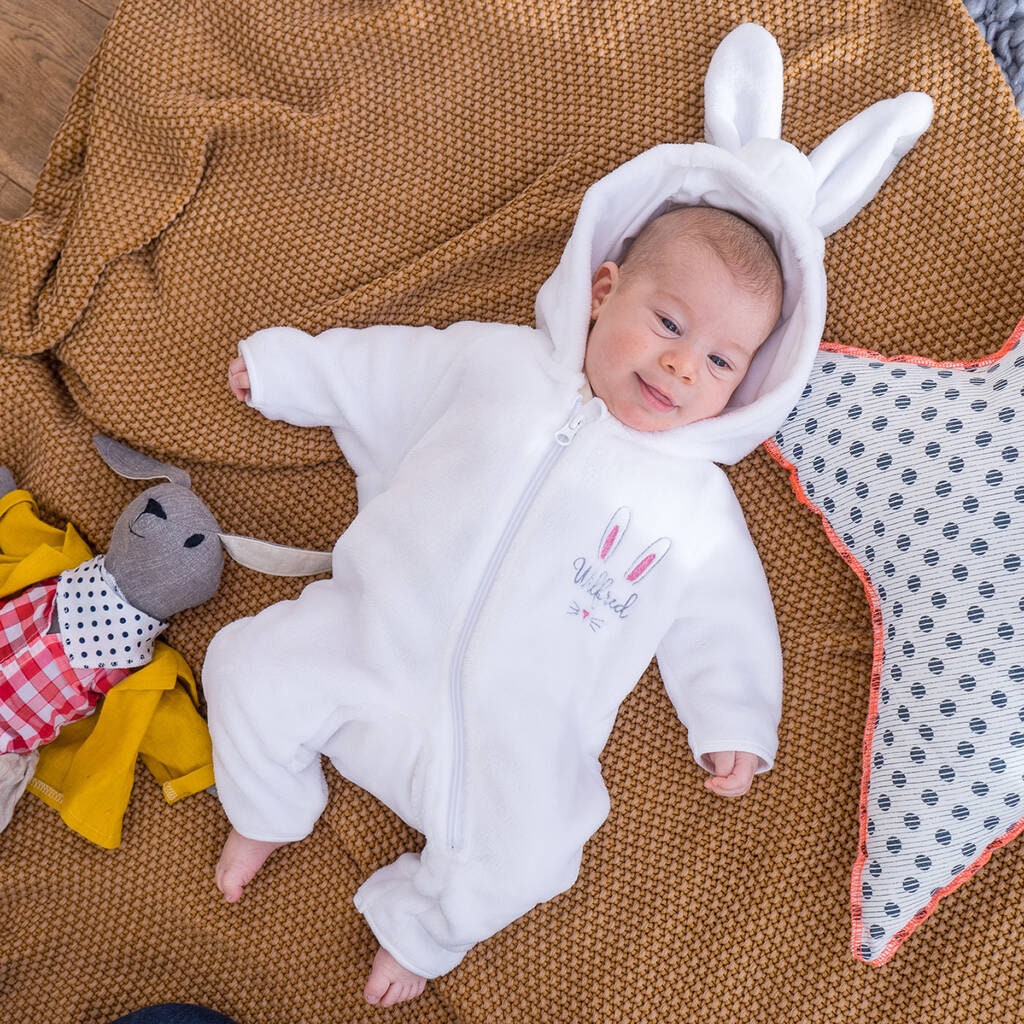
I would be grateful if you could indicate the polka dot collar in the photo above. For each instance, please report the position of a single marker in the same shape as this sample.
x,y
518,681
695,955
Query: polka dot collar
x,y
98,626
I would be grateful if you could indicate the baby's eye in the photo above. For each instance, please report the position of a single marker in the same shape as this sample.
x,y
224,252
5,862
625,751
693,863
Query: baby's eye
x,y
670,325
719,362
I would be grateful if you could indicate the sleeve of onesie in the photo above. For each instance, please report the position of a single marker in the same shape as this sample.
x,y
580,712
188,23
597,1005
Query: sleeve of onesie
x,y
371,385
722,660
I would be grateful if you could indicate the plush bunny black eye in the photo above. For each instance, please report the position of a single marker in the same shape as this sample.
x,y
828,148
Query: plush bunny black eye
x,y
154,508
195,540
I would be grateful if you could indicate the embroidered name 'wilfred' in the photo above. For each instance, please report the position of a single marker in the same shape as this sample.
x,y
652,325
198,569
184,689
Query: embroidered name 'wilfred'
x,y
603,588
597,586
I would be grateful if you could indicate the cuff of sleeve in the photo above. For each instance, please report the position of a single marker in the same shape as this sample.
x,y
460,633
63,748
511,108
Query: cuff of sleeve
x,y
702,753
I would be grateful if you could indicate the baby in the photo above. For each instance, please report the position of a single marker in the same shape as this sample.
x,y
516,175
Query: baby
x,y
540,512
522,549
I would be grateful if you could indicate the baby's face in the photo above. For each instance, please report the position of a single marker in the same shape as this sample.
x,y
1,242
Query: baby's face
x,y
669,343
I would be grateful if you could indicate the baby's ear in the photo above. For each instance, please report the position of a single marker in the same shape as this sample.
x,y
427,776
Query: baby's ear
x,y
605,278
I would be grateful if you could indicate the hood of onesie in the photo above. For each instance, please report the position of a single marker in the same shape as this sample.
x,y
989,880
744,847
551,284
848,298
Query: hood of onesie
x,y
744,166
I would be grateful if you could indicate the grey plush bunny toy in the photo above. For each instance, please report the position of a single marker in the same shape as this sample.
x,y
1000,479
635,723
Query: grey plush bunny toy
x,y
66,641
165,552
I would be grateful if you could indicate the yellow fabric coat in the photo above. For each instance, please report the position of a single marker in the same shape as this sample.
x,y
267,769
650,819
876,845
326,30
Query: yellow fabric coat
x,y
87,772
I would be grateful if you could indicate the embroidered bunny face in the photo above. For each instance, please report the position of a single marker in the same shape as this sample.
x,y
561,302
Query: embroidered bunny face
x,y
607,595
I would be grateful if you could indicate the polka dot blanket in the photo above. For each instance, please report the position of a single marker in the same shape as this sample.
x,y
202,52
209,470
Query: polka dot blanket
x,y
915,469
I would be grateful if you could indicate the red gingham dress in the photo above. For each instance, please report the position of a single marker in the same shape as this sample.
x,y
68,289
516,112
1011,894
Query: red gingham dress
x,y
41,690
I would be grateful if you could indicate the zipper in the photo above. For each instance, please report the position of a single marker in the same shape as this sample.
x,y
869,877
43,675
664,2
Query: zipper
x,y
580,416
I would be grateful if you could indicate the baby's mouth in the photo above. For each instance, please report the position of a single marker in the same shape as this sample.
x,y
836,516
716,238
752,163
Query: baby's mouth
x,y
655,397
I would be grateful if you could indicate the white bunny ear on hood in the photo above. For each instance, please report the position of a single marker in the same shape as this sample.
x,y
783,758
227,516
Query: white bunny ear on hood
x,y
853,162
743,89
743,115
794,197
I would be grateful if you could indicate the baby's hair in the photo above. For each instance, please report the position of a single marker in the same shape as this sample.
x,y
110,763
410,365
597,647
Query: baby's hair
x,y
740,245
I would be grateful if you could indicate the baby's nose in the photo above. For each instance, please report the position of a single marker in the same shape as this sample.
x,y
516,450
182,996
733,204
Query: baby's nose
x,y
678,362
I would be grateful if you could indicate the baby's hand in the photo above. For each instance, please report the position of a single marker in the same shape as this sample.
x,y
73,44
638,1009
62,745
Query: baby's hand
x,y
734,772
238,379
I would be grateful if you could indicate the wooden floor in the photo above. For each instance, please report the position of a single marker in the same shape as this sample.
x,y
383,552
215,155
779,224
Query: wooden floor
x,y
45,46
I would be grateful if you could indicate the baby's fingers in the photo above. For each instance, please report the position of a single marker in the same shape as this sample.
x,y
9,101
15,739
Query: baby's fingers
x,y
238,379
734,773
728,787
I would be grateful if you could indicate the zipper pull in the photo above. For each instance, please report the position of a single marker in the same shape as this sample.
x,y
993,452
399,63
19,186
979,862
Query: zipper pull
x,y
582,414
570,430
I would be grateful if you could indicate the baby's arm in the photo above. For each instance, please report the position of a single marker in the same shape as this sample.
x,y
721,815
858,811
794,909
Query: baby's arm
x,y
722,659
733,772
374,383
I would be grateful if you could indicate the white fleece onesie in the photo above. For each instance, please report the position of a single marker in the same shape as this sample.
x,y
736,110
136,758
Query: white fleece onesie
x,y
518,557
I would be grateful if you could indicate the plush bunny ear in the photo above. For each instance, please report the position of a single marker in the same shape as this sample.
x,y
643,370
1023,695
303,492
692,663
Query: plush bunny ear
x,y
134,465
743,89
853,162
275,559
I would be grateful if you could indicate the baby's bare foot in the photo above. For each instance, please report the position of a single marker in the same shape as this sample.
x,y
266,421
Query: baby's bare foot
x,y
239,861
390,983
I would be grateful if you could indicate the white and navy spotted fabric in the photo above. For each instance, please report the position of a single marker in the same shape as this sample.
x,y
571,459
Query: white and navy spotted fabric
x,y
918,471
98,627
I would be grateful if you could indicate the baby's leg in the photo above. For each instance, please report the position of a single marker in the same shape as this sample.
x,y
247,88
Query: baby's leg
x,y
239,861
258,738
390,982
